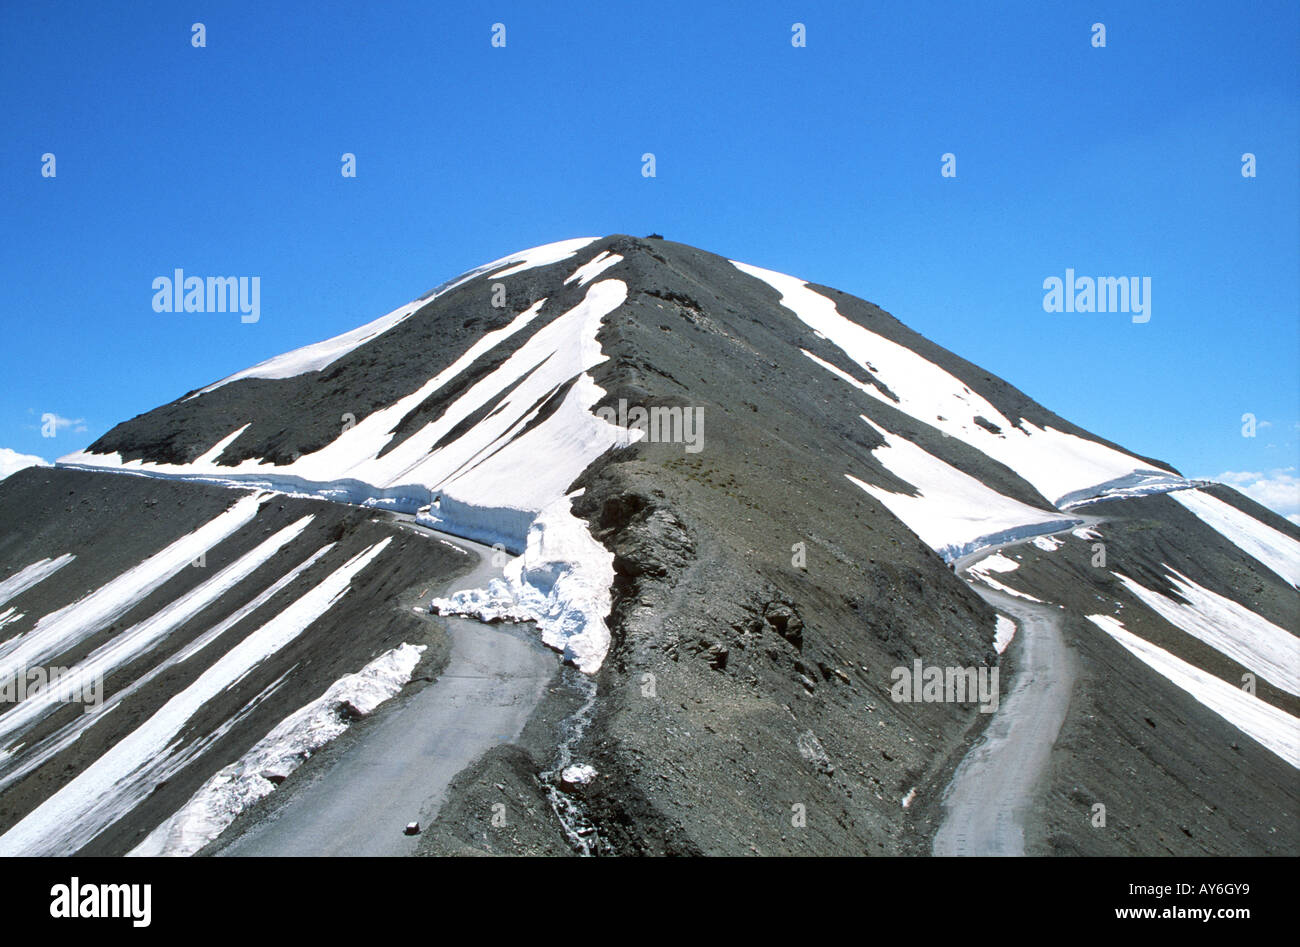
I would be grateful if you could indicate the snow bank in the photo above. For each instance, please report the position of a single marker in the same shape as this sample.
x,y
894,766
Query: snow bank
x,y
1001,564
1271,727
561,582
1140,483
954,514
1006,589
279,753
1273,549
995,563
1057,464
1251,640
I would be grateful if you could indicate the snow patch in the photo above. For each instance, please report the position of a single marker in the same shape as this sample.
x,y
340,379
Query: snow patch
x,y
579,774
1273,549
597,265
1006,589
995,563
26,577
1273,728
954,514
1251,640
1059,465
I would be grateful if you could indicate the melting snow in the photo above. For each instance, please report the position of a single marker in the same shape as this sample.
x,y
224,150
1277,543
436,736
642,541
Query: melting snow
x,y
1252,641
1003,632
954,513
1274,549
1059,465
112,785
1273,728
561,582
319,355
25,578
578,774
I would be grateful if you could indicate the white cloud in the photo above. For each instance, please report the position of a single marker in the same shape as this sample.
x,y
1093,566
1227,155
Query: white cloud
x,y
78,425
11,461
1279,489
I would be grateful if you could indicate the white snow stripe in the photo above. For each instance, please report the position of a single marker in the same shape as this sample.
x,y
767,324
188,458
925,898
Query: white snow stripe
x,y
954,513
84,807
60,630
1057,464
544,255
139,638
1273,549
231,790
594,267
36,756
1273,728
1251,640
25,578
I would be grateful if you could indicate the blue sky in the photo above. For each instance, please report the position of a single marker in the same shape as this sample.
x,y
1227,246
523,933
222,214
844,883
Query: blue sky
x,y
823,162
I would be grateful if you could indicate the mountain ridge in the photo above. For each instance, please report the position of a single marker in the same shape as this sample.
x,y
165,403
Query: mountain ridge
x,y
738,610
